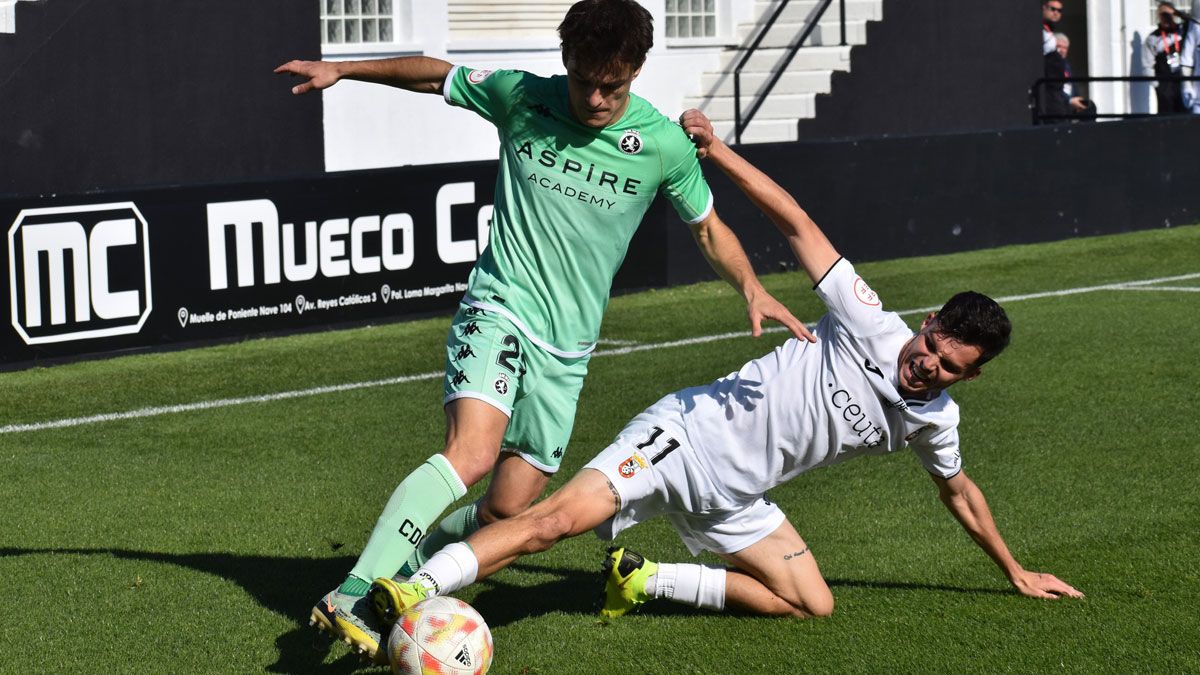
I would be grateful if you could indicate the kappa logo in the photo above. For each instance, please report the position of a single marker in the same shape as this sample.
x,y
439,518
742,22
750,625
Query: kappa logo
x,y
86,267
864,293
477,76
631,142
630,467
558,452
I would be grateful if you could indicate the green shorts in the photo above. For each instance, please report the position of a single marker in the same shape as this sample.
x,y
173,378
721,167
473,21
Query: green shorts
x,y
489,358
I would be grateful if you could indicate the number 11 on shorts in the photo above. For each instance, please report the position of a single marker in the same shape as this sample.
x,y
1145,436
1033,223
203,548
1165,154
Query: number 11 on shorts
x,y
669,445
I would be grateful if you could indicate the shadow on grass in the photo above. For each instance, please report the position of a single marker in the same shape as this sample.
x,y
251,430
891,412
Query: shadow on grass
x,y
908,586
289,586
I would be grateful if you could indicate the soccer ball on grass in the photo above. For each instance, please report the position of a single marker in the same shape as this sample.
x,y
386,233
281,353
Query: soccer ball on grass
x,y
440,635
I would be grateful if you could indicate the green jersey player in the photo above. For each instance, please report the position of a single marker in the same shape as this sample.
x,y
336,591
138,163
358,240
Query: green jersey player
x,y
581,159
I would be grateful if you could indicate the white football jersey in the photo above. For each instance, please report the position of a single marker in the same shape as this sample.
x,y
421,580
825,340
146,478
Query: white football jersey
x,y
806,405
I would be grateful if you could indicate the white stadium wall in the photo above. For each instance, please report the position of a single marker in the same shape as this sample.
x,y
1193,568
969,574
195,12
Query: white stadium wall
x,y
369,126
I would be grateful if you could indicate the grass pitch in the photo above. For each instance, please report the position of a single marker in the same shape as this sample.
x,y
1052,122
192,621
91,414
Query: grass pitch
x,y
197,541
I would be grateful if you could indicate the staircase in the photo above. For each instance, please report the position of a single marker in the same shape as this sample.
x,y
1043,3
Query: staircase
x,y
8,15
810,72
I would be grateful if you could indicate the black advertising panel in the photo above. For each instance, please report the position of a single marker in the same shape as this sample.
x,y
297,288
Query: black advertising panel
x,y
114,271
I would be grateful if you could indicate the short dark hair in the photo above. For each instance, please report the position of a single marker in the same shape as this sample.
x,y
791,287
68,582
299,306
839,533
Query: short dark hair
x,y
603,35
975,319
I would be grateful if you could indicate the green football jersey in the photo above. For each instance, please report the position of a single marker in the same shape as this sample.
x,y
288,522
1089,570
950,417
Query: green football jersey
x,y
568,200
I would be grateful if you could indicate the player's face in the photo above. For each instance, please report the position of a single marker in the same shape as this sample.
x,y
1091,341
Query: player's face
x,y
931,361
599,99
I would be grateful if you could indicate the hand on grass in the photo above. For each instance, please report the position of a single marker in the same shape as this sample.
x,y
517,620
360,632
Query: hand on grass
x,y
763,306
1042,585
320,74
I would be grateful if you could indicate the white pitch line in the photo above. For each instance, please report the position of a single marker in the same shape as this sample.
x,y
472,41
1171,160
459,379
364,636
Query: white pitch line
x,y
336,388
209,405
1185,289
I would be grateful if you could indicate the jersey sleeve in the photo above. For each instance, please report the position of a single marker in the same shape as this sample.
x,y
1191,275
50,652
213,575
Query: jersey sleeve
x,y
852,302
489,93
940,454
683,181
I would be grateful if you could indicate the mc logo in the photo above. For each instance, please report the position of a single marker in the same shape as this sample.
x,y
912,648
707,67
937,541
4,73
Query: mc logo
x,y
79,272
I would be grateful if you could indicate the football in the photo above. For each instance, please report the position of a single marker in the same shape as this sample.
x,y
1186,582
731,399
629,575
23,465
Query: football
x,y
440,635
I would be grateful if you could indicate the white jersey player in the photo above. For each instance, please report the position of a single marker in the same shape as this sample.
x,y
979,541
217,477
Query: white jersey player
x,y
704,457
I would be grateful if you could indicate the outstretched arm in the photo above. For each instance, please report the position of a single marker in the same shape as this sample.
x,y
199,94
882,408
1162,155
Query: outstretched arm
x,y
421,74
808,243
724,252
966,502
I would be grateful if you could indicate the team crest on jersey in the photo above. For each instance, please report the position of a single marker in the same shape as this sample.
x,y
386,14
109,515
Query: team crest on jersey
x,y
631,142
631,466
864,293
477,76
501,384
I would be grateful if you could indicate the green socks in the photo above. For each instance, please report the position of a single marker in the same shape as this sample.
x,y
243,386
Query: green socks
x,y
417,501
354,586
455,527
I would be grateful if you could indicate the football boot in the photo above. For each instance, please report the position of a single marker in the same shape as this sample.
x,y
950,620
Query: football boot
x,y
625,574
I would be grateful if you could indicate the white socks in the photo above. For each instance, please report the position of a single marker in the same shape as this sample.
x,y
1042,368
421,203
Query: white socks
x,y
449,569
689,584
456,566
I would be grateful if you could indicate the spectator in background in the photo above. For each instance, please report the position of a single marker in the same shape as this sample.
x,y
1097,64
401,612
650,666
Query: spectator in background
x,y
1079,106
1050,103
1164,55
1191,54
1051,15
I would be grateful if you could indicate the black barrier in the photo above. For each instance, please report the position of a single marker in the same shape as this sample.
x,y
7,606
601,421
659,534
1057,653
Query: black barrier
x,y
144,269
884,198
141,270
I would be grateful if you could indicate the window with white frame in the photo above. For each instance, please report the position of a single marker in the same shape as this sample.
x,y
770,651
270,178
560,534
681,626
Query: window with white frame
x,y
358,22
690,19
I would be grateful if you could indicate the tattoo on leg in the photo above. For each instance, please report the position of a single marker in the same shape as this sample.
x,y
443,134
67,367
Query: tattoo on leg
x,y
797,554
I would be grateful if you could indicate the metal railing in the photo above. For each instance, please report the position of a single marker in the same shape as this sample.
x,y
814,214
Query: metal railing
x,y
1040,86
739,125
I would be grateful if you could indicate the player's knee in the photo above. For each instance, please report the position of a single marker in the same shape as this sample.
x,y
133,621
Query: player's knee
x,y
471,461
492,510
819,605
548,528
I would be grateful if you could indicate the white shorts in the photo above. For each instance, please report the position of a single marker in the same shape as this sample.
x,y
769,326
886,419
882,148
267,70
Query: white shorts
x,y
654,470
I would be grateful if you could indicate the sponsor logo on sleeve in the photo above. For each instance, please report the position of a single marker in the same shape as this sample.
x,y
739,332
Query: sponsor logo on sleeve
x,y
909,438
477,76
864,293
